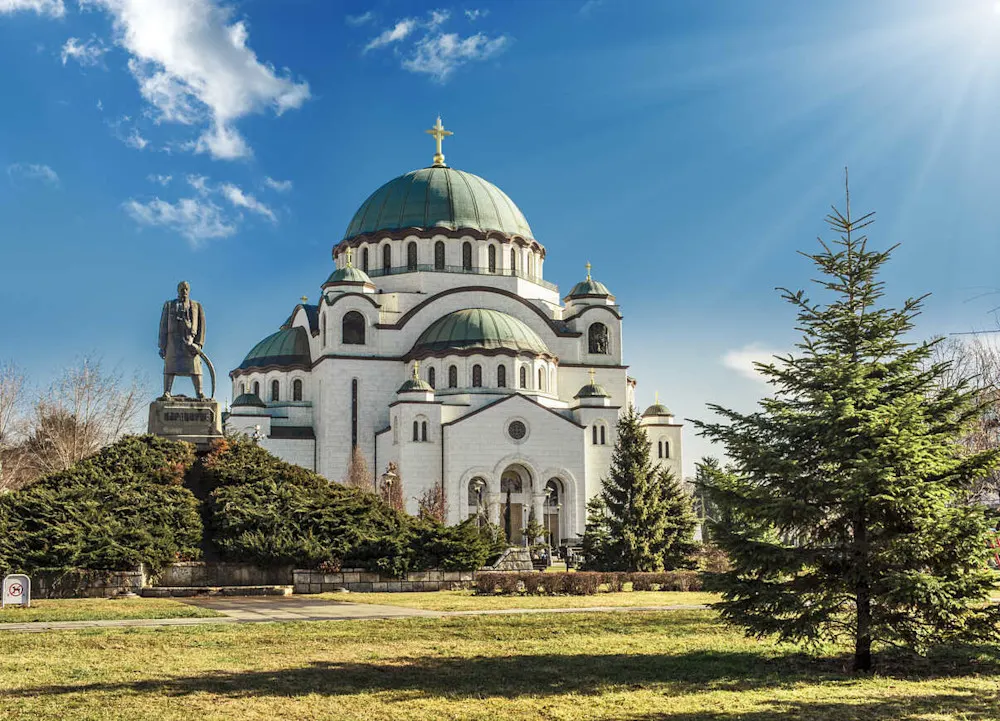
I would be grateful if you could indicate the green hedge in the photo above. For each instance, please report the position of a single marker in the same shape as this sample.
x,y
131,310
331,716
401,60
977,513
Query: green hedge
x,y
583,583
269,512
124,506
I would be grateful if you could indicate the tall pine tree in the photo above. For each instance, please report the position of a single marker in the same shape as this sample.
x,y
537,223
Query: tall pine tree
x,y
846,515
643,520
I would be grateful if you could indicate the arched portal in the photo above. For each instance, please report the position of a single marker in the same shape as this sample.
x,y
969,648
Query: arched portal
x,y
555,496
515,502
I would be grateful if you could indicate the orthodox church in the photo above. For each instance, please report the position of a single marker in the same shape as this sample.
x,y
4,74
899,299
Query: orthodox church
x,y
438,346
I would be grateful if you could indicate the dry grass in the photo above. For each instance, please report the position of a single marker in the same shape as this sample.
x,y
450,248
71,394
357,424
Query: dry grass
x,y
677,666
467,601
101,609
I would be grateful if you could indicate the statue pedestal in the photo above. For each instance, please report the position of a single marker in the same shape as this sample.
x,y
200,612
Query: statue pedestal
x,y
186,419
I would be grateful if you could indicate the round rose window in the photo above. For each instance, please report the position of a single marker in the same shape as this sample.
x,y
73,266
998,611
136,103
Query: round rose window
x,y
517,430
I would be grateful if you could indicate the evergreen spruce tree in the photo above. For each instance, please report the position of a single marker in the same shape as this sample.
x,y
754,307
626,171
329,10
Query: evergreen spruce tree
x,y
644,520
844,512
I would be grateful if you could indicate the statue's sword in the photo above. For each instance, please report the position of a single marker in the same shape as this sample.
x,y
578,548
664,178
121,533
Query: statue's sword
x,y
211,368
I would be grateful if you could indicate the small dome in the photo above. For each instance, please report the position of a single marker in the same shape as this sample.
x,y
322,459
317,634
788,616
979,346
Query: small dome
x,y
415,384
657,409
249,399
478,328
592,390
439,197
589,288
287,347
348,275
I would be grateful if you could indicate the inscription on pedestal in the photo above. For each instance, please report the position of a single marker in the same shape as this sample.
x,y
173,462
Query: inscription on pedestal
x,y
194,421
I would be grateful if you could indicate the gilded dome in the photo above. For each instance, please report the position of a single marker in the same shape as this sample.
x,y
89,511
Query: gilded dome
x,y
439,197
478,329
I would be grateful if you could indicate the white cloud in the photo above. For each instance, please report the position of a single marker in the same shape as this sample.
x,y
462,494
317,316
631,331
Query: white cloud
x,y
394,34
359,20
474,15
194,67
440,54
197,220
239,199
55,8
742,360
282,186
199,183
88,54
33,171
163,180
135,140
438,17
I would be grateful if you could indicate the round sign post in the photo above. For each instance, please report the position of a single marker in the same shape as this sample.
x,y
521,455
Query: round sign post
x,y
16,591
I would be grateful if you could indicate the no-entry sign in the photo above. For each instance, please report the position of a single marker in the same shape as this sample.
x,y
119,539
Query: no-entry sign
x,y
16,590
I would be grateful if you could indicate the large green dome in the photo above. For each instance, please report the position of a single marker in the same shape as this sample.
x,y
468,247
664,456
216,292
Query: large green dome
x,y
439,197
287,347
478,329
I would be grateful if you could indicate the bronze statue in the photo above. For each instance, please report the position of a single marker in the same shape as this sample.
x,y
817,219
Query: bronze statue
x,y
182,336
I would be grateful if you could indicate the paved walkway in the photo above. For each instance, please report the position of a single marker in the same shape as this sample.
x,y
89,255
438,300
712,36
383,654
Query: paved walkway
x,y
261,609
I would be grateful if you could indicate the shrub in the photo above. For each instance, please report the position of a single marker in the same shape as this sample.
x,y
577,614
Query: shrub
x,y
553,583
112,511
614,581
532,583
582,583
464,547
711,559
641,581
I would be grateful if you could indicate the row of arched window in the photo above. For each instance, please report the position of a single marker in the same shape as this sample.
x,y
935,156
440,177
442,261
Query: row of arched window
x,y
600,436
663,449
477,377
439,258
275,390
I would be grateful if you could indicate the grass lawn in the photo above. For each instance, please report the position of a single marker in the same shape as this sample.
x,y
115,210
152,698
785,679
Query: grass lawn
x,y
102,609
680,665
467,601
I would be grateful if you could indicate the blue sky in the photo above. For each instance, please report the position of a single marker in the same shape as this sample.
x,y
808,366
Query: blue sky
x,y
686,148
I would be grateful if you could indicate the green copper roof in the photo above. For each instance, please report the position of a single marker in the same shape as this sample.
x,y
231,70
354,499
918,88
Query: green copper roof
x,y
478,328
588,287
289,346
249,399
658,409
439,197
349,275
415,384
592,390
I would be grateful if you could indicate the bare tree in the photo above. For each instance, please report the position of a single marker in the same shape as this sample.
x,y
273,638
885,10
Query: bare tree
x,y
976,359
85,409
358,475
13,394
432,504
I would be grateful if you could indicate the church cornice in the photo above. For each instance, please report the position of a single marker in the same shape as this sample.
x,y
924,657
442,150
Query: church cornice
x,y
431,233
505,400
610,308
406,317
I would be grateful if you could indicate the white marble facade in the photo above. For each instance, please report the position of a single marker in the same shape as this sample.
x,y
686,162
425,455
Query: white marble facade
x,y
527,387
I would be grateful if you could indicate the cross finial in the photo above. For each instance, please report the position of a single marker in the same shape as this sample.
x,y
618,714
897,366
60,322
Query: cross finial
x,y
591,376
439,134
656,398
349,257
304,299
416,370
588,270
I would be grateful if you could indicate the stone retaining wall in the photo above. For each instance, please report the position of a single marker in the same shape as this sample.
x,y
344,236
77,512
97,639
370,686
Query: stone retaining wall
x,y
357,580
87,584
513,559
201,573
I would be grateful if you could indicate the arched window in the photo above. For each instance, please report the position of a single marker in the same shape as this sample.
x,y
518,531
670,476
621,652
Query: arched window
x,y
431,378
666,449
353,328
477,376
476,487
256,389
439,255
364,259
416,431
502,376
513,261
600,434
603,438
541,379
597,337
386,257
243,388
659,448
524,377
594,434
466,255
493,258
553,493
423,431
297,389
453,376
411,255
322,328
274,390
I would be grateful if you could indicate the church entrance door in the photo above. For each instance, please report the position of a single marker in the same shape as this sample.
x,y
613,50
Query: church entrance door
x,y
515,499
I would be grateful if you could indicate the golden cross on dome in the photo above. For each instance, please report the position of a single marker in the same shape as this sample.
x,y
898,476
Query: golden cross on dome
x,y
588,270
656,398
439,134
591,376
304,299
416,370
